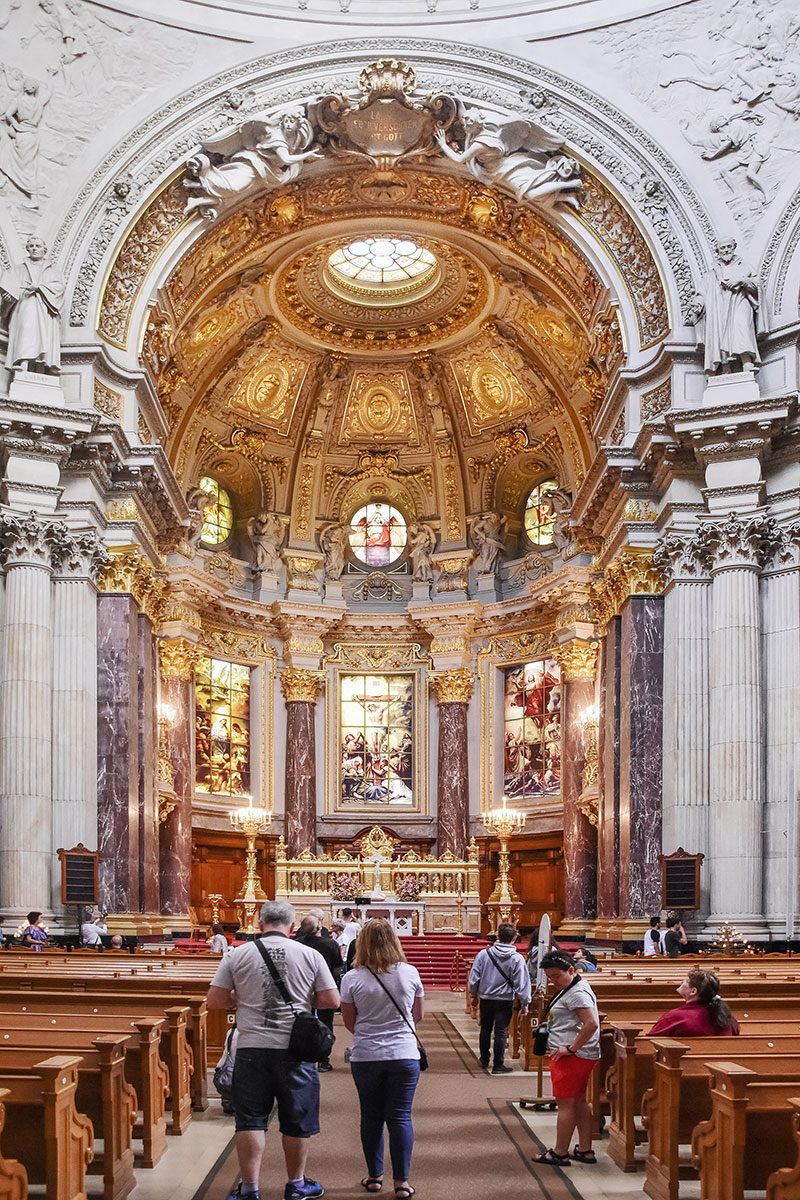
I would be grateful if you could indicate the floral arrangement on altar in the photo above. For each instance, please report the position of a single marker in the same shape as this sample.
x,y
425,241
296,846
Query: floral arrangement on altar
x,y
345,887
408,888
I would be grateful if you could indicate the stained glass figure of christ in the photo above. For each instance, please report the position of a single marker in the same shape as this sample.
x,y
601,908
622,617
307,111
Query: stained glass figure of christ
x,y
377,739
378,534
222,727
532,730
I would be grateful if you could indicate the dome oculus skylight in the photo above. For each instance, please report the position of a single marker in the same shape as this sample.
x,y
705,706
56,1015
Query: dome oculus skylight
x,y
382,260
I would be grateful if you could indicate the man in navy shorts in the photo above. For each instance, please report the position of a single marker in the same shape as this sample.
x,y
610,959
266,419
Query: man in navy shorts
x,y
263,1073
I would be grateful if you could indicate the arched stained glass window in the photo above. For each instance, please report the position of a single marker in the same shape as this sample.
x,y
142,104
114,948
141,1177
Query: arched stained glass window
x,y
532,730
378,534
222,727
539,514
218,516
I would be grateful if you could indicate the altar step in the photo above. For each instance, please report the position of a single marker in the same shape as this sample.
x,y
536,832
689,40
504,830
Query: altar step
x,y
433,956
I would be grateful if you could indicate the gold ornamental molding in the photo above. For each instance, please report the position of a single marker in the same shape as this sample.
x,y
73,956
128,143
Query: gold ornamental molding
x,y
359,656
452,687
578,659
129,571
298,683
177,658
631,573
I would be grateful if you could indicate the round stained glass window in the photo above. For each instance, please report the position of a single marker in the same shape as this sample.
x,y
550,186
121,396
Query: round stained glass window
x,y
539,514
217,516
380,260
378,534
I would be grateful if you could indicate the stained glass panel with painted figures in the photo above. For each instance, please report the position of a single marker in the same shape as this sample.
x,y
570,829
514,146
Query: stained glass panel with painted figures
x,y
222,728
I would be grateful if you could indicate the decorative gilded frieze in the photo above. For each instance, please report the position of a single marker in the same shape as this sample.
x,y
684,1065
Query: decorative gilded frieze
x,y
305,643
578,659
455,644
300,684
518,647
391,657
177,658
235,644
656,402
305,492
452,573
302,572
107,401
452,687
122,510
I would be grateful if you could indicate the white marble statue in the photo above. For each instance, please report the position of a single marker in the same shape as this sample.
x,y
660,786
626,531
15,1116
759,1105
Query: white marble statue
x,y
333,543
487,537
19,132
259,153
421,541
726,313
517,155
35,290
266,531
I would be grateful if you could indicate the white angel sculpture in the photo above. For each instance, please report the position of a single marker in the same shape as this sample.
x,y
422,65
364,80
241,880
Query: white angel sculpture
x,y
517,155
333,543
421,541
260,153
488,532
266,531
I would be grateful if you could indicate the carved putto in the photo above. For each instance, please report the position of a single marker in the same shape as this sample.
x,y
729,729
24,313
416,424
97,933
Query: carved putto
x,y
519,156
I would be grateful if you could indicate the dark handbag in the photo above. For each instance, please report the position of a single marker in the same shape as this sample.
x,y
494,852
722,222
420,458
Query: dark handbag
x,y
223,1074
423,1057
310,1040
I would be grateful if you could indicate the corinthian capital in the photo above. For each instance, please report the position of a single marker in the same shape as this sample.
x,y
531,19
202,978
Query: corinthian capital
x,y
177,658
683,556
578,659
743,542
28,540
300,684
452,687
78,554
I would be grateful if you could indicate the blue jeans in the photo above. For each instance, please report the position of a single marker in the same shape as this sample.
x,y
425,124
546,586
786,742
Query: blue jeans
x,y
386,1092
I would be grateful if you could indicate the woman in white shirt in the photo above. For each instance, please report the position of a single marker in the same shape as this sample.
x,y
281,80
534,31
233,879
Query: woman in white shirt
x,y
384,1058
219,943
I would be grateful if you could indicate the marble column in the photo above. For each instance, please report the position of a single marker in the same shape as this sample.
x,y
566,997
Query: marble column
x,y
685,561
76,561
578,660
149,892
177,659
26,837
780,607
300,689
737,751
118,752
641,755
452,690
609,754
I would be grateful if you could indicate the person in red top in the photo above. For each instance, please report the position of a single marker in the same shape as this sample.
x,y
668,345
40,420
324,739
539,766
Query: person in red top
x,y
703,1013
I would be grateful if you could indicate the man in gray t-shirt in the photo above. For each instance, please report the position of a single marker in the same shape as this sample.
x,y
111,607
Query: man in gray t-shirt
x,y
263,1071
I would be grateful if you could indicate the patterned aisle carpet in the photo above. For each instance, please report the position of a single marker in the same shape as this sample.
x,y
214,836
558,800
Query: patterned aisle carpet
x,y
469,1139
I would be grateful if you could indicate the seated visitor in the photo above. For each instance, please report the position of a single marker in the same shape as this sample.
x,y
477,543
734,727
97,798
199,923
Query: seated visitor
x,y
219,943
703,1013
34,935
585,961
116,941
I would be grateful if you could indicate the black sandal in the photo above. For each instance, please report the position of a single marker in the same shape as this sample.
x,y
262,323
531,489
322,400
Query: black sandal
x,y
371,1184
404,1191
553,1160
584,1156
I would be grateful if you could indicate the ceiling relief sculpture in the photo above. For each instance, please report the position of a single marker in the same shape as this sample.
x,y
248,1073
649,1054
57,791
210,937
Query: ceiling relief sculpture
x,y
379,409
270,390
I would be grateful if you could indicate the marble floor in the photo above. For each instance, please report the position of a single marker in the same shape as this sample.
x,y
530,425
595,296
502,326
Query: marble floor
x,y
195,1158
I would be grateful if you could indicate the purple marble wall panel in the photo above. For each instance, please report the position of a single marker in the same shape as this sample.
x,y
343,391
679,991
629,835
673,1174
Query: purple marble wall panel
x,y
301,778
453,780
609,749
149,897
117,753
641,740
580,836
176,832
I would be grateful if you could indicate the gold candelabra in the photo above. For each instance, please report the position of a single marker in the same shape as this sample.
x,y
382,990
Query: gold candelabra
x,y
251,822
217,902
460,907
591,735
503,823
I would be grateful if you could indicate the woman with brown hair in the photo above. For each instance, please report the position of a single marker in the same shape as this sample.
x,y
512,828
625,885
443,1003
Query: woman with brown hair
x,y
703,1013
381,1005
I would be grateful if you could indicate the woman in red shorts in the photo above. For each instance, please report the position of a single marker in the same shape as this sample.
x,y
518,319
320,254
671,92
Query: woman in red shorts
x,y
574,1049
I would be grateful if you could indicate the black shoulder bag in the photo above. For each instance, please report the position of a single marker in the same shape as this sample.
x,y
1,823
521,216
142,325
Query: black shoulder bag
x,y
500,971
423,1057
310,1040
542,1034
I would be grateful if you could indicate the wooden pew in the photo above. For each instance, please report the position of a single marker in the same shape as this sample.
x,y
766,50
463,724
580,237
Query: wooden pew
x,y
111,1106
681,1099
144,1070
173,1046
125,1003
784,1184
750,1130
13,1176
50,1137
